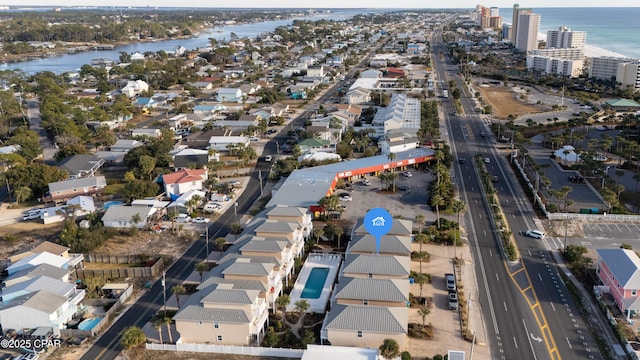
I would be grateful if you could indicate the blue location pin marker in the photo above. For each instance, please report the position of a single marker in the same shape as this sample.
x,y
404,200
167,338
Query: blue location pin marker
x,y
377,222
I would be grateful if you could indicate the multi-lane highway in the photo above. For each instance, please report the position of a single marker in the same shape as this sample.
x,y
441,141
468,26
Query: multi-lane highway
x,y
529,313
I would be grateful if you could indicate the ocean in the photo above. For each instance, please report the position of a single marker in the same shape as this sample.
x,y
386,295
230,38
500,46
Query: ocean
x,y
613,29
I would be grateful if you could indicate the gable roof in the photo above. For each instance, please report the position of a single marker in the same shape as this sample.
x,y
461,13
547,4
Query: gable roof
x,y
220,295
388,244
283,210
92,181
274,226
398,227
184,176
42,247
198,313
42,282
264,246
42,269
236,283
243,267
370,319
624,264
37,259
74,164
623,103
126,213
377,265
40,300
395,290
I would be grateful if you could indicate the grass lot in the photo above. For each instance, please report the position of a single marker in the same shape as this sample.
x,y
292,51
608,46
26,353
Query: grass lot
x,y
503,102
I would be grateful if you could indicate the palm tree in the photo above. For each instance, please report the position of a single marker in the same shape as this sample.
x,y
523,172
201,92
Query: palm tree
x,y
423,314
458,207
167,321
420,256
389,349
419,219
392,156
177,291
302,306
317,233
158,324
338,233
219,243
132,337
282,301
201,267
22,193
420,279
437,201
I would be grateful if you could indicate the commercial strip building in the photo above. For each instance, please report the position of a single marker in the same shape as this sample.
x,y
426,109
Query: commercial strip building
x,y
304,187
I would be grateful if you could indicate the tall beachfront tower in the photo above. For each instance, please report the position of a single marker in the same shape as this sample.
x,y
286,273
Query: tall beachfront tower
x,y
527,32
565,38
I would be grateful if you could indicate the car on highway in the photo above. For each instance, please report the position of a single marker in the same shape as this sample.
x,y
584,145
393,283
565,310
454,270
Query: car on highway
x,y
345,197
407,174
453,300
482,135
201,220
487,160
461,160
536,234
451,281
495,179
365,182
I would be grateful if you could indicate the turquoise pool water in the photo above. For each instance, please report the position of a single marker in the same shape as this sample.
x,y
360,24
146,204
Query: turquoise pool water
x,y
111,203
315,283
89,323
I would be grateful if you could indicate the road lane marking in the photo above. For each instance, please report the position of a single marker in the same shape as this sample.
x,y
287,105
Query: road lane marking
x,y
515,342
497,278
505,306
568,342
540,276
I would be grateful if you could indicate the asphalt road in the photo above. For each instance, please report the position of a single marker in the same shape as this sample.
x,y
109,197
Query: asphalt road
x,y
531,313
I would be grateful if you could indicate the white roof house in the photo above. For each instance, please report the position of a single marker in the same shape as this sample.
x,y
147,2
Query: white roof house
x,y
229,95
123,216
39,308
134,88
219,143
37,259
34,284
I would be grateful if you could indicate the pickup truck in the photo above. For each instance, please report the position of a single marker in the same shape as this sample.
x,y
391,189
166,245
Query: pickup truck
x,y
451,281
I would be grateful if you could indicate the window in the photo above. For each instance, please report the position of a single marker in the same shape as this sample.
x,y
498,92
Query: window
x,y
359,333
634,292
370,276
219,337
200,322
365,302
216,325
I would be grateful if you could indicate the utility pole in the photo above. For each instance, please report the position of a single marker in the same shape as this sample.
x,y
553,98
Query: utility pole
x,y
260,178
565,231
164,291
235,210
206,255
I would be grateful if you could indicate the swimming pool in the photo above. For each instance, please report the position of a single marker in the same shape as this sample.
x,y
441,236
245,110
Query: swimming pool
x,y
89,323
107,204
315,283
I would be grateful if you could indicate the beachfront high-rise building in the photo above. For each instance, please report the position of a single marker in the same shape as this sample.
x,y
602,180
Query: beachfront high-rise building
x,y
628,75
606,67
494,11
526,38
488,17
514,21
565,38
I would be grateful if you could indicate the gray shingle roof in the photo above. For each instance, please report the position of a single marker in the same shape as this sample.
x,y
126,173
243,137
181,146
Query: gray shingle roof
x,y
40,300
42,269
393,244
398,227
74,164
264,245
249,269
230,296
237,283
377,265
89,182
274,226
282,210
197,313
126,213
373,289
372,319
624,264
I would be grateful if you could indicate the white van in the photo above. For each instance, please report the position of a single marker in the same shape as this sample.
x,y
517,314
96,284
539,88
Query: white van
x,y
211,207
182,218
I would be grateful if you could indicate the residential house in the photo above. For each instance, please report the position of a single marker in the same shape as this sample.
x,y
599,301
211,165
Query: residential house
x,y
43,282
145,132
134,88
183,204
315,71
365,326
184,180
78,206
619,272
283,229
189,158
398,227
358,96
393,72
79,166
350,111
47,246
299,215
223,143
51,271
312,145
375,267
223,315
229,95
126,217
179,121
44,257
39,308
201,140
398,140
145,103
67,189
389,245
371,292
124,145
371,74
9,149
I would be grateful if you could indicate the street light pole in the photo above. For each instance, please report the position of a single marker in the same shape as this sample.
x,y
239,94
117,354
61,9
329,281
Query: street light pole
x,y
235,210
206,255
565,231
164,291
260,178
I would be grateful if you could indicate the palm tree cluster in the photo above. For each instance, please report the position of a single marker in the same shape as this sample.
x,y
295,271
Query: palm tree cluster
x,y
442,190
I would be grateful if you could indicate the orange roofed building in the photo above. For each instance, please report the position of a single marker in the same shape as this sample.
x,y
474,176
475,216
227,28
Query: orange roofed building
x,y
184,180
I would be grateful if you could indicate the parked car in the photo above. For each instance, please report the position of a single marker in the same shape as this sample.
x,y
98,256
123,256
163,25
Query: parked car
x,y
366,182
201,220
453,300
182,218
31,216
268,158
536,234
407,174
254,138
211,207
451,281
345,197
576,179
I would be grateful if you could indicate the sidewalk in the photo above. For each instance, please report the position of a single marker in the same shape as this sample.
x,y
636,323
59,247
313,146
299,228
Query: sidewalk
x,y
593,314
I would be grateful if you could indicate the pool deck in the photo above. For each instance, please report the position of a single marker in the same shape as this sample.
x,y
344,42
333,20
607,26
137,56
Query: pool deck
x,y
331,261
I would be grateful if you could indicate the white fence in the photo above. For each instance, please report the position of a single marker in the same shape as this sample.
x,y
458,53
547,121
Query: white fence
x,y
230,349
595,217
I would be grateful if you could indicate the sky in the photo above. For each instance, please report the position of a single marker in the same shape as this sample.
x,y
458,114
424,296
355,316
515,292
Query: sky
x,y
410,4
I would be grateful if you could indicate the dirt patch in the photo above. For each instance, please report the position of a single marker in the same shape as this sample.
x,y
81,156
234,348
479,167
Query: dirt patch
x,y
504,102
23,236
